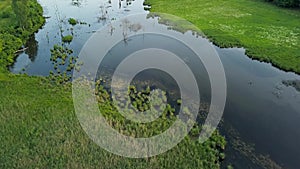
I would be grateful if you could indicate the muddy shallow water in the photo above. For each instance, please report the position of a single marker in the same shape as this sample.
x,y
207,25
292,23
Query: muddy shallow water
x,y
262,109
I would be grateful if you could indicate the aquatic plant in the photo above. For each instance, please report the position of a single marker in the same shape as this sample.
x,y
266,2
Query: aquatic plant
x,y
61,56
72,21
67,39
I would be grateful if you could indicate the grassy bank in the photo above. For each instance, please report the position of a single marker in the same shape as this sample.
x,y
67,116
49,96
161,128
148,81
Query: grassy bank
x,y
39,129
268,33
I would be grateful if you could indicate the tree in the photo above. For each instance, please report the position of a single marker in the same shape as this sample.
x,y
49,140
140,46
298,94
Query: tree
x,y
21,10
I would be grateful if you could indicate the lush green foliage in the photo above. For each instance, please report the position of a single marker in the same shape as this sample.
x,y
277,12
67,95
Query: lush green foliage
x,y
18,20
268,33
64,63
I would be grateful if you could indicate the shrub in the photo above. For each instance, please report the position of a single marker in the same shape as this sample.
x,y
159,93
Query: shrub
x,y
6,13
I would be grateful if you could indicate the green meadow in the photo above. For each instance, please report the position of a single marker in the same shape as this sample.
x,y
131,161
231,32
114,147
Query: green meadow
x,y
267,32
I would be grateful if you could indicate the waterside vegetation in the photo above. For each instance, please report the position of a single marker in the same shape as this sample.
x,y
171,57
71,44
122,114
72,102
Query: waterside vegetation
x,y
19,19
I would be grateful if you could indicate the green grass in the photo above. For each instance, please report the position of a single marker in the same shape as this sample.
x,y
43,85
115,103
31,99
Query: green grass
x,y
39,129
268,33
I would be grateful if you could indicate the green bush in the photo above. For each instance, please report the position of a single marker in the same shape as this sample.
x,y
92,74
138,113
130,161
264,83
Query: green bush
x,y
8,13
8,46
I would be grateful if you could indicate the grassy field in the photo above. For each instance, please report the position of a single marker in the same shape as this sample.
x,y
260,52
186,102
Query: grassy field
x,y
39,129
268,33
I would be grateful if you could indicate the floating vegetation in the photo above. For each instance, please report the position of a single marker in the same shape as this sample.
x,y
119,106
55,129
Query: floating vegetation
x,y
67,39
61,57
72,21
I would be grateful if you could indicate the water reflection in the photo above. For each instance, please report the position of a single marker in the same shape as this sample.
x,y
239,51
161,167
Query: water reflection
x,y
32,49
93,13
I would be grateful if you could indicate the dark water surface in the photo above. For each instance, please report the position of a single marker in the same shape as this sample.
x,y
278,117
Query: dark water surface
x,y
260,111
